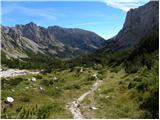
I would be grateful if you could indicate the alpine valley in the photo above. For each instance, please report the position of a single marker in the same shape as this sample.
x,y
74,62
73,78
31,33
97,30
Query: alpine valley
x,y
59,73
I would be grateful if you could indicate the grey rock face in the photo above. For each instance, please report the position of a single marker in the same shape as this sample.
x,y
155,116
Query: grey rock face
x,y
77,38
52,40
14,45
139,22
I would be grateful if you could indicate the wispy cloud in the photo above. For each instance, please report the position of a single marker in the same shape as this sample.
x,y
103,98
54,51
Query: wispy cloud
x,y
44,13
38,12
125,5
88,23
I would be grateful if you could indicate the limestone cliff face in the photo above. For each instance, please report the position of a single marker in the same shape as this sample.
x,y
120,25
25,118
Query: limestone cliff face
x,y
138,23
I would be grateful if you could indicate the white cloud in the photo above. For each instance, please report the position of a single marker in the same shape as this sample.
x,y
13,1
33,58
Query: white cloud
x,y
125,5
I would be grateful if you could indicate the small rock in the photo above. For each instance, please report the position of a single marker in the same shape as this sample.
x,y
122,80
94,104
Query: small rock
x,y
55,78
93,108
41,88
81,70
27,87
10,99
34,79
95,74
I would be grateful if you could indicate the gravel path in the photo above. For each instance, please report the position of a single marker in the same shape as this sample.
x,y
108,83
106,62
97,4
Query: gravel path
x,y
15,72
74,106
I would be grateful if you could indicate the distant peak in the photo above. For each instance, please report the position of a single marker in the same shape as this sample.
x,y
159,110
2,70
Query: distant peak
x,y
31,24
54,27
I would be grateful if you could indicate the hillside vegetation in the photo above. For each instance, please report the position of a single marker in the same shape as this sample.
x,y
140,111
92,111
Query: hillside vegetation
x,y
130,86
134,94
46,97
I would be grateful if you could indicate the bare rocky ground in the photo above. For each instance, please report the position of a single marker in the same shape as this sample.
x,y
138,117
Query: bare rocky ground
x,y
15,72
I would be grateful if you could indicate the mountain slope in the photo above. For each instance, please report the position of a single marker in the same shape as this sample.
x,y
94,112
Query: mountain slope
x,y
54,41
139,22
77,38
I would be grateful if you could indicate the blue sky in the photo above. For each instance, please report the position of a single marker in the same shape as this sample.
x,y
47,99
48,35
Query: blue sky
x,y
105,18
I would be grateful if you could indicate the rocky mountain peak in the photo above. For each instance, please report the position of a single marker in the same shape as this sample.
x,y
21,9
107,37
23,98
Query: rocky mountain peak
x,y
54,39
31,24
138,23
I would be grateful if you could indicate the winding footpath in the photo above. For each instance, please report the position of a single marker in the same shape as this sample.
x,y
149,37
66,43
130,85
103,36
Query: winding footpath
x,y
15,72
74,106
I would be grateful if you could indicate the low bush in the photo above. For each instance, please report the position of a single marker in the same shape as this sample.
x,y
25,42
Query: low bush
x,y
137,79
44,111
47,82
142,87
91,78
151,104
15,81
38,76
24,98
74,86
131,85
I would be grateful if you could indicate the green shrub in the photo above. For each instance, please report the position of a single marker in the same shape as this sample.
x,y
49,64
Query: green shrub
x,y
142,87
98,67
120,82
4,82
91,78
38,76
47,82
86,82
151,104
131,85
47,70
115,69
71,69
24,98
15,81
130,68
44,112
100,76
137,79
143,54
19,109
74,86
